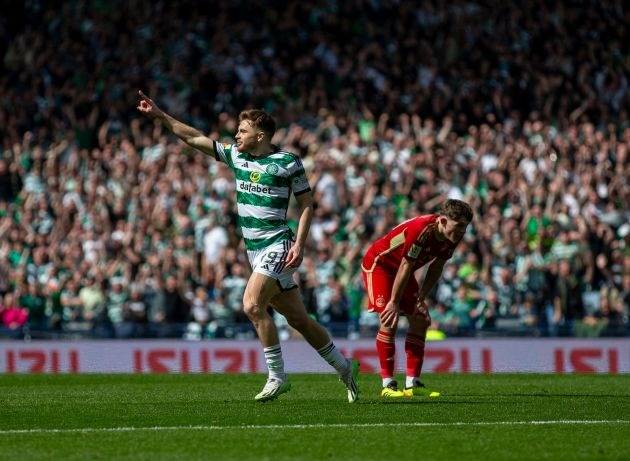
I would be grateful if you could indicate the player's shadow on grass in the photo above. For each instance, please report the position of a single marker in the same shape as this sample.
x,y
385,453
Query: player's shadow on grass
x,y
540,394
427,402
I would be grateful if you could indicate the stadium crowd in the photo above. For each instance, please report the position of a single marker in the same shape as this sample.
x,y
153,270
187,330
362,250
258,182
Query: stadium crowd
x,y
111,227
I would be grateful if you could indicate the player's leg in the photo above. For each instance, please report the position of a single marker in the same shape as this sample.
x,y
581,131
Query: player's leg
x,y
386,349
414,348
289,303
378,286
258,293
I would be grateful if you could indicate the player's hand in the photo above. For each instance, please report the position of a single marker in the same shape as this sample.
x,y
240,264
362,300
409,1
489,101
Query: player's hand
x,y
389,316
421,307
422,310
147,106
294,256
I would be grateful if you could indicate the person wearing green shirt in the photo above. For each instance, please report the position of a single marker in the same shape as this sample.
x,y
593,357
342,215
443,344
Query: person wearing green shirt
x,y
265,178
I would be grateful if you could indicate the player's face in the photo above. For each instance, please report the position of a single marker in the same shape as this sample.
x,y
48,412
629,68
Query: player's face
x,y
452,230
247,138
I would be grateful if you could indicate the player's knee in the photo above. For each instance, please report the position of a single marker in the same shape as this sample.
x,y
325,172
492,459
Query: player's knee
x,y
389,330
420,323
252,308
426,321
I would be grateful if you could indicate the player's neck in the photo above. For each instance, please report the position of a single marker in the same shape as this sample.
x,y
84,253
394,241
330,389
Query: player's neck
x,y
262,150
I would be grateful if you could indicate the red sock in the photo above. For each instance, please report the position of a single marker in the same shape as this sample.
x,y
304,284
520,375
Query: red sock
x,y
386,348
414,347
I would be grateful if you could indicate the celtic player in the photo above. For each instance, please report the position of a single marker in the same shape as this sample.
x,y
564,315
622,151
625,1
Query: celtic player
x,y
265,177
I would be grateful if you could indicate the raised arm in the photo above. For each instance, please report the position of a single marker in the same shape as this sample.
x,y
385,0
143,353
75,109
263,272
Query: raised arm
x,y
188,134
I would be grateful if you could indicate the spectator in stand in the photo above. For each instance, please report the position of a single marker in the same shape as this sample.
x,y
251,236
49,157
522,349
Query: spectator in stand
x,y
35,304
12,315
176,307
567,302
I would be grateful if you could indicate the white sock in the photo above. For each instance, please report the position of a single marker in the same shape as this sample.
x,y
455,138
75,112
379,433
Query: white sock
x,y
333,356
275,364
386,381
411,381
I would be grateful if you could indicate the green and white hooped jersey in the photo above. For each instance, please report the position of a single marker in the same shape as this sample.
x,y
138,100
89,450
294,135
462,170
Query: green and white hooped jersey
x,y
263,189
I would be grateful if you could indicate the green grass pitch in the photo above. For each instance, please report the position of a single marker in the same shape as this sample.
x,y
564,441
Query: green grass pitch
x,y
156,417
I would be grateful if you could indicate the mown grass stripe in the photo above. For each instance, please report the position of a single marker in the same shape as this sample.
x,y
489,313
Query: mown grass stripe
x,y
567,422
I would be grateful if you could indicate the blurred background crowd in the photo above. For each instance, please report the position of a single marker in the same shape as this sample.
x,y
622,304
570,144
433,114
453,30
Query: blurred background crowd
x,y
110,227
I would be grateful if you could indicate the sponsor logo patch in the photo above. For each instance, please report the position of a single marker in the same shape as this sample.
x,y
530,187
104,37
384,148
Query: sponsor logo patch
x,y
248,187
254,176
414,251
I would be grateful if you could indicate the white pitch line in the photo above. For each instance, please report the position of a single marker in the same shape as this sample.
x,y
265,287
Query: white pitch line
x,y
311,426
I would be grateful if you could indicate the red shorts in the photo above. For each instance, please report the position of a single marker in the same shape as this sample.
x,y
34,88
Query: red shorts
x,y
378,284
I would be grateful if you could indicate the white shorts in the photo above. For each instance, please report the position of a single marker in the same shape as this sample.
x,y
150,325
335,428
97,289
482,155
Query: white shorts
x,y
270,261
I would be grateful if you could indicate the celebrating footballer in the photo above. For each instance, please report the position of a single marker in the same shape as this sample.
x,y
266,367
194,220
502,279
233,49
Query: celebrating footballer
x,y
265,178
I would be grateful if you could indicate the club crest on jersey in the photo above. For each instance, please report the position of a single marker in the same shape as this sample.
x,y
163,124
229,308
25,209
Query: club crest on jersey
x,y
272,168
254,176
380,301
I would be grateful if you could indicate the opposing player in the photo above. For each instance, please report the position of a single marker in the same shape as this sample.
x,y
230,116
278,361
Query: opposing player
x,y
392,290
265,177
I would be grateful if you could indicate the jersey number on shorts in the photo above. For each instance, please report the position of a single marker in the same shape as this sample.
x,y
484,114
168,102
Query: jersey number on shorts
x,y
273,261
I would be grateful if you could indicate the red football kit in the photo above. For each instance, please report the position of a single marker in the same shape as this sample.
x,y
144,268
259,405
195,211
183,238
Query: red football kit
x,y
416,240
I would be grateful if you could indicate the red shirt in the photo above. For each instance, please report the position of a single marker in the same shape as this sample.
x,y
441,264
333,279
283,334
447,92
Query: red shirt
x,y
13,316
415,239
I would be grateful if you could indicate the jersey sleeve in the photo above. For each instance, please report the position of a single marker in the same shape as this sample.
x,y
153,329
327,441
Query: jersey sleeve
x,y
223,153
297,177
